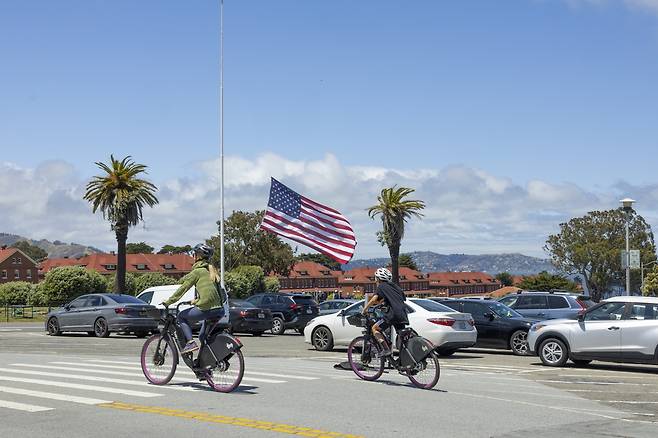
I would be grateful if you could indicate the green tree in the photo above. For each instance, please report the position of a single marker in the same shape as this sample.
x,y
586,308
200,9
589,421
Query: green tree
x,y
34,252
37,297
505,278
15,292
130,287
591,246
144,281
651,283
272,284
172,249
319,258
395,210
408,262
237,285
139,248
547,282
67,282
246,244
121,196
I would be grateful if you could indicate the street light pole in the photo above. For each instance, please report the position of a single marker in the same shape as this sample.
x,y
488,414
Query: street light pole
x,y
627,204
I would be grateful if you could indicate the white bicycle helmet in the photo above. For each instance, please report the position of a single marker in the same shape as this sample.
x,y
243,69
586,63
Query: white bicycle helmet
x,y
383,274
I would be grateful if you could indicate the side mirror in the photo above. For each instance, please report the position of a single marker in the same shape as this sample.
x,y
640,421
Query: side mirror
x,y
581,317
67,307
341,313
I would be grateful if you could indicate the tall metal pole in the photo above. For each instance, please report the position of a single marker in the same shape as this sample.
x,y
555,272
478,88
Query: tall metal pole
x,y
628,260
221,139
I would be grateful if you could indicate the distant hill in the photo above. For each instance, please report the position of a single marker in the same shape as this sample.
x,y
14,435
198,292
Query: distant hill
x,y
54,249
427,261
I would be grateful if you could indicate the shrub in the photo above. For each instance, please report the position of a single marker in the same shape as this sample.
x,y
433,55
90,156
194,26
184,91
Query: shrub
x,y
15,292
67,282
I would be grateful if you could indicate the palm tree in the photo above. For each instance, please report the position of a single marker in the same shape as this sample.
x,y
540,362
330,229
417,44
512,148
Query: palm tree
x,y
395,211
121,196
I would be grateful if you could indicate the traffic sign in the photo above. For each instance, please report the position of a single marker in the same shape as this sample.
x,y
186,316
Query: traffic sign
x,y
624,259
635,258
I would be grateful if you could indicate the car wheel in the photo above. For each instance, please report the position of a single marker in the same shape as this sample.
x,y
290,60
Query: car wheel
x,y
322,339
101,330
277,326
256,333
53,327
518,342
553,352
581,362
446,353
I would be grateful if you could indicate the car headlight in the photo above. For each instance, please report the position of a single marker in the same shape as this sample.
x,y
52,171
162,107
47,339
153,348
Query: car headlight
x,y
537,327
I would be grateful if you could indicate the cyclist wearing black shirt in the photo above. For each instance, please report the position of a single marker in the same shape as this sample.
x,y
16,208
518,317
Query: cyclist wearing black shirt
x,y
392,297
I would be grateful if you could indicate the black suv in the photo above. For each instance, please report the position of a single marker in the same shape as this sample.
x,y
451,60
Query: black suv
x,y
498,326
289,311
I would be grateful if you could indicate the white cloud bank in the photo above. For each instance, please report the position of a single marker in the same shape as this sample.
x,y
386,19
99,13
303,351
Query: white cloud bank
x,y
468,210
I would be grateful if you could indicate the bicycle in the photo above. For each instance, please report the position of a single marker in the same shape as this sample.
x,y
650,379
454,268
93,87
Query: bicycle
x,y
219,360
415,357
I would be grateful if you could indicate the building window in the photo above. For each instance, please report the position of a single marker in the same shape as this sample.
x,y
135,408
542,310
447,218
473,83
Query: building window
x,y
141,267
28,274
110,267
169,266
4,274
17,274
18,260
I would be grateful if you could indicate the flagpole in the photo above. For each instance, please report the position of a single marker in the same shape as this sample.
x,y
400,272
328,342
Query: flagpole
x,y
221,140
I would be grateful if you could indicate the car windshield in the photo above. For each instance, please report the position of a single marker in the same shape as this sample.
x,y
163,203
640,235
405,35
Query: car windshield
x,y
502,310
241,303
125,299
432,306
304,300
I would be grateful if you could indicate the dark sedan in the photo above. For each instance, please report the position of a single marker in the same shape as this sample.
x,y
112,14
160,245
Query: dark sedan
x,y
101,314
245,317
498,326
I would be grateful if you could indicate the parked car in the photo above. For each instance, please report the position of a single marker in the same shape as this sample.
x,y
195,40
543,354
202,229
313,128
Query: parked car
x,y
245,317
547,305
620,329
333,306
101,314
442,326
497,325
289,311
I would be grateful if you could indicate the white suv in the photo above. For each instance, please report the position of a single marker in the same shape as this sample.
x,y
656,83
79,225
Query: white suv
x,y
621,329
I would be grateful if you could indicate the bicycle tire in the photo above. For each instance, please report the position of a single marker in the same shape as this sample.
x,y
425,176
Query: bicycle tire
x,y
235,382
433,361
150,367
358,362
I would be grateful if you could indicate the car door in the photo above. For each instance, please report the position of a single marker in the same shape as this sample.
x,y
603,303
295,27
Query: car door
x,y
88,312
69,317
487,333
558,307
342,331
639,333
598,334
532,306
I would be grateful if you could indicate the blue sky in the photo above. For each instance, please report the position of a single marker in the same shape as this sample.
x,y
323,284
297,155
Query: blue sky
x,y
562,92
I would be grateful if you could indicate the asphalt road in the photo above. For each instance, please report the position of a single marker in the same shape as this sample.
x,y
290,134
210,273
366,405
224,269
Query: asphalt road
x,y
72,386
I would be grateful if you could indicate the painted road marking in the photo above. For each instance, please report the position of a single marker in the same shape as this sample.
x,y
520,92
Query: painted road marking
x,y
23,406
53,396
235,421
70,385
247,377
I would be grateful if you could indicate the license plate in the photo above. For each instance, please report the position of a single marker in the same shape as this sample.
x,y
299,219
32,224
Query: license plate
x,y
261,315
309,311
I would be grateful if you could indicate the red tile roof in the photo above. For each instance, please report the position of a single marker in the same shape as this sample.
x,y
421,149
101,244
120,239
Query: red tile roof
x,y
180,263
8,252
367,275
307,269
460,278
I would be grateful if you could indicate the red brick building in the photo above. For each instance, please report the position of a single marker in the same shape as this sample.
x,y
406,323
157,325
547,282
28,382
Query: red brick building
x,y
362,280
309,277
449,284
173,265
15,265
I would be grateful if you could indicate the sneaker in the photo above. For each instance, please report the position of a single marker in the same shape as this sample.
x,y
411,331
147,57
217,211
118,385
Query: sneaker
x,y
190,347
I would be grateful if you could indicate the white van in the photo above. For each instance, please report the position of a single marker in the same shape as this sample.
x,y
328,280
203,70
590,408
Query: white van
x,y
157,294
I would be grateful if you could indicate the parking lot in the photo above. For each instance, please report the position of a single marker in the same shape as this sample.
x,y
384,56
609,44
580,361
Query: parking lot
x,y
481,393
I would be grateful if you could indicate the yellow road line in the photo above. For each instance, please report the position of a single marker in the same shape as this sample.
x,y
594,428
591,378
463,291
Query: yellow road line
x,y
235,421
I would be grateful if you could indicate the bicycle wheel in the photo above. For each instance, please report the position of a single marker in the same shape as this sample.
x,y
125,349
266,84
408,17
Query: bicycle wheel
x,y
362,356
159,359
226,377
427,372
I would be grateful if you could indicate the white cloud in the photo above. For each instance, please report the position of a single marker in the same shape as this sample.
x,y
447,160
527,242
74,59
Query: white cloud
x,y
646,5
468,210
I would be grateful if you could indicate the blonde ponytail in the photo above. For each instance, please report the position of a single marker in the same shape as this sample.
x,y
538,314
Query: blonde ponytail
x,y
214,275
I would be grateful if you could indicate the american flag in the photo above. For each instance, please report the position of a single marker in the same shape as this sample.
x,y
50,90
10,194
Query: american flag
x,y
310,223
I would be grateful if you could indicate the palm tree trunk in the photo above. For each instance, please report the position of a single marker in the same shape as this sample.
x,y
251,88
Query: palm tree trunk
x,y
121,230
394,251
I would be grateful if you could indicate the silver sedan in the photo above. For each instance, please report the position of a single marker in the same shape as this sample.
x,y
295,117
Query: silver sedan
x,y
100,314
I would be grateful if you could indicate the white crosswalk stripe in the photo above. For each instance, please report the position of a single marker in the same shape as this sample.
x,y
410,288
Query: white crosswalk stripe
x,y
70,385
53,396
22,406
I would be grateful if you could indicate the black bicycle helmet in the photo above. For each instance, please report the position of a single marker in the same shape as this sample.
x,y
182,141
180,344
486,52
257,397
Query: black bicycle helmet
x,y
204,250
